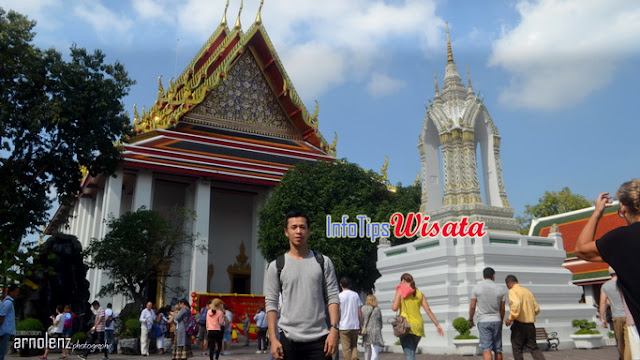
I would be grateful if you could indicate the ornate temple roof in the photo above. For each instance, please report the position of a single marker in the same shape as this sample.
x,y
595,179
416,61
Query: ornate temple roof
x,y
570,225
212,68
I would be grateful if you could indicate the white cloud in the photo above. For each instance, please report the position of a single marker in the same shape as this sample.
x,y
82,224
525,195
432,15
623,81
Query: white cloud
x,y
382,84
149,9
564,50
34,9
348,36
106,23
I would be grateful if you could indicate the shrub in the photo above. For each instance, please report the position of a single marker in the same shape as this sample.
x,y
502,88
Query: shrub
x,y
463,327
586,327
78,337
131,328
30,324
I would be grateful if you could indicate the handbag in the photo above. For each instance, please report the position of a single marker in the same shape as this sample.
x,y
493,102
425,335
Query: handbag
x,y
363,330
400,325
51,331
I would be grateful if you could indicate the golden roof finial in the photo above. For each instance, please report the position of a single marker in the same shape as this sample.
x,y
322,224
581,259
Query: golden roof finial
x,y
237,25
417,182
469,78
160,87
449,51
136,116
435,78
224,15
332,148
258,18
383,171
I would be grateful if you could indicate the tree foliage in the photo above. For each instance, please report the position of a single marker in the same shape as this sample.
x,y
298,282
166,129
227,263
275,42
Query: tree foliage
x,y
332,188
551,203
56,116
140,248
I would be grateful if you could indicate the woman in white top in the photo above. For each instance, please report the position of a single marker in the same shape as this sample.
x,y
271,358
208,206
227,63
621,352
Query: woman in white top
x,y
58,322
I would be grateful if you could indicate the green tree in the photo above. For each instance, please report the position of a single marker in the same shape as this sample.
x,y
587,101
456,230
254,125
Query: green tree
x,y
139,249
56,116
330,188
551,203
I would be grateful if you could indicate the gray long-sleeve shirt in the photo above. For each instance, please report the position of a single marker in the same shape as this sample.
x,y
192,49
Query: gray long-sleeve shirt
x,y
302,314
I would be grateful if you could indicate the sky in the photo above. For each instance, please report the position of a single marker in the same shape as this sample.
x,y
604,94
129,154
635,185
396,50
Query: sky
x,y
560,78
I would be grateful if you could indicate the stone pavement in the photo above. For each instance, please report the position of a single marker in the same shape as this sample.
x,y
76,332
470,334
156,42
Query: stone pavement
x,y
248,353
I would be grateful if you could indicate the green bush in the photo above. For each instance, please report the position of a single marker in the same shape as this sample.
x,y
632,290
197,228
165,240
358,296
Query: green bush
x,y
463,327
131,328
30,324
586,327
78,337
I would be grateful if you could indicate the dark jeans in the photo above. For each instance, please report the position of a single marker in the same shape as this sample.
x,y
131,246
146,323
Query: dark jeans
x,y
262,339
409,344
215,340
523,336
308,350
97,338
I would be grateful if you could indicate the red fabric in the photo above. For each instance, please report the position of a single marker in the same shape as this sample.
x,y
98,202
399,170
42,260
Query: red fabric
x,y
405,290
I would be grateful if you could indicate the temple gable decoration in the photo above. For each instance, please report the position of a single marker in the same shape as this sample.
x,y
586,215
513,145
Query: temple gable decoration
x,y
232,61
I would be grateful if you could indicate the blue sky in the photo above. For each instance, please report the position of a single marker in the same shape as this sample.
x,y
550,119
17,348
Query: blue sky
x,y
559,78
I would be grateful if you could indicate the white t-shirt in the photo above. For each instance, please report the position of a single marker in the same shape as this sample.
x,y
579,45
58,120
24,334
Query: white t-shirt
x,y
109,312
349,304
60,325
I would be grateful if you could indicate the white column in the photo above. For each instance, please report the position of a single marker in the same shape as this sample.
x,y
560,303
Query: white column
x,y
199,260
258,263
110,209
143,193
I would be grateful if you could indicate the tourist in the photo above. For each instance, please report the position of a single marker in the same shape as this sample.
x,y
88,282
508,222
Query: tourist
x,y
372,322
619,247
58,322
214,323
408,300
308,285
109,326
350,314
489,300
7,319
610,296
261,324
147,317
96,333
202,330
246,325
161,325
523,309
180,346
226,335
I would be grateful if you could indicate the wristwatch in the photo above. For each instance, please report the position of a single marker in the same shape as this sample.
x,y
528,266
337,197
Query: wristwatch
x,y
335,326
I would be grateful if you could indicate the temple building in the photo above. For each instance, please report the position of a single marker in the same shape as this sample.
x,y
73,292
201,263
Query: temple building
x,y
588,275
217,140
457,138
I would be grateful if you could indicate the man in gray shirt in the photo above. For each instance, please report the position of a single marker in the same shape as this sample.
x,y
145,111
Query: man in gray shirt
x,y
609,291
489,299
305,294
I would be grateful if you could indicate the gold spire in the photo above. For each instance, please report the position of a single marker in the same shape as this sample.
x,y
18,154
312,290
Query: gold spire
x,y
258,18
417,182
449,52
469,78
136,116
383,171
435,80
224,15
160,87
237,25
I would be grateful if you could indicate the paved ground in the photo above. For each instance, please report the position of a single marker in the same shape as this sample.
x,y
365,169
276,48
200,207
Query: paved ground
x,y
248,353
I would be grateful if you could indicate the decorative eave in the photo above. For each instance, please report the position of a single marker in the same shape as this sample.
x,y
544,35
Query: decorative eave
x,y
207,69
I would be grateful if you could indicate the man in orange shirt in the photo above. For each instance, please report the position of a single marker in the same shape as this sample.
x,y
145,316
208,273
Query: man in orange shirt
x,y
523,309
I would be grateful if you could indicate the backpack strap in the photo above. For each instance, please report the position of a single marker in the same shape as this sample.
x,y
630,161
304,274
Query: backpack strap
x,y
319,259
